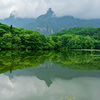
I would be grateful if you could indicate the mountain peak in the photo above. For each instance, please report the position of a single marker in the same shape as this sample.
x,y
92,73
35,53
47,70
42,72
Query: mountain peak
x,y
49,12
12,14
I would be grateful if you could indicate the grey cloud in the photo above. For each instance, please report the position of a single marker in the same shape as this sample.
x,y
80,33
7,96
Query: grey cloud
x,y
33,8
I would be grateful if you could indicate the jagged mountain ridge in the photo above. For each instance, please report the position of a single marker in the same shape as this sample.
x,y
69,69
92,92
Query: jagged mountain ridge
x,y
48,23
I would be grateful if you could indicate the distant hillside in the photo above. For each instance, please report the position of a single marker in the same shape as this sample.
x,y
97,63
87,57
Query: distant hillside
x,y
83,31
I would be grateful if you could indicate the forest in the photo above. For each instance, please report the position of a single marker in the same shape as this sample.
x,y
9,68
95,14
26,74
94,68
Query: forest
x,y
78,38
12,38
18,38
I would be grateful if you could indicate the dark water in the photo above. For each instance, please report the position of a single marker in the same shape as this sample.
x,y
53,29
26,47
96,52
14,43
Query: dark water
x,y
49,75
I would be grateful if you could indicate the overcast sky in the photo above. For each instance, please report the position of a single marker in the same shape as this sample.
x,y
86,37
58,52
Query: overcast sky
x,y
85,9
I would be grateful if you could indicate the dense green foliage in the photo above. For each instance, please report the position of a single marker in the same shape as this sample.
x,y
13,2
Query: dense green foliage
x,y
84,31
14,38
77,38
74,38
77,60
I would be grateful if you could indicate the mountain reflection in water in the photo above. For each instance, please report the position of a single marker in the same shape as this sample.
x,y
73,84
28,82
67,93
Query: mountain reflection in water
x,y
49,75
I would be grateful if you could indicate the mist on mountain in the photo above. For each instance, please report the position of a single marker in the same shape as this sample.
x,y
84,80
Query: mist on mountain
x,y
48,23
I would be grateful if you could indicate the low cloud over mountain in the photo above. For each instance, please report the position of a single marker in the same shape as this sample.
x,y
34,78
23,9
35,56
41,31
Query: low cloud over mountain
x,y
85,9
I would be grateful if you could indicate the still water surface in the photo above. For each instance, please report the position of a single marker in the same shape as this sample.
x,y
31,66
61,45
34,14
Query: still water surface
x,y
23,77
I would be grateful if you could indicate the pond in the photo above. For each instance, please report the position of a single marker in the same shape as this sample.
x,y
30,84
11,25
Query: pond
x,y
49,75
